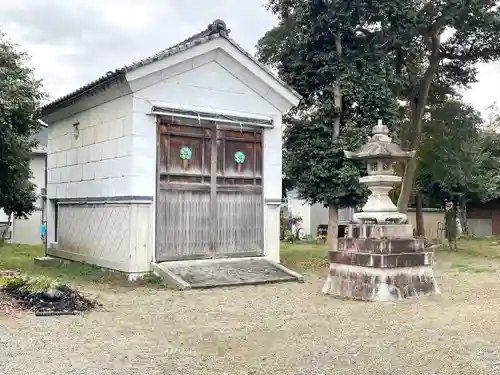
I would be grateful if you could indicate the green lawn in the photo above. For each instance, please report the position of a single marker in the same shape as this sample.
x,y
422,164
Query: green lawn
x,y
474,255
304,257
21,258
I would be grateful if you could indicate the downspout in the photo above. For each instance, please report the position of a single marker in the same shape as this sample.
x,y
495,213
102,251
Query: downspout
x,y
45,203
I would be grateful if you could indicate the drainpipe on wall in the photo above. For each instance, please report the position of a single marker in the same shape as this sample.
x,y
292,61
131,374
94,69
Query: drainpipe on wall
x,y
45,203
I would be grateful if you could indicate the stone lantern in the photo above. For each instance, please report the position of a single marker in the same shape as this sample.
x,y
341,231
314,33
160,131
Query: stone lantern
x,y
380,155
380,259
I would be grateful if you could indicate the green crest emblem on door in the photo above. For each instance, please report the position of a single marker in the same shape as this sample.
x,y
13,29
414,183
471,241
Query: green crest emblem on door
x,y
185,153
239,157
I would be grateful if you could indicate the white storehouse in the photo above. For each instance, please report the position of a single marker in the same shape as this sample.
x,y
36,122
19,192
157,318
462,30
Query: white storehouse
x,y
174,157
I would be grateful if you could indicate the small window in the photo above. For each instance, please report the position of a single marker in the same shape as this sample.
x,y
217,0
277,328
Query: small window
x,y
374,167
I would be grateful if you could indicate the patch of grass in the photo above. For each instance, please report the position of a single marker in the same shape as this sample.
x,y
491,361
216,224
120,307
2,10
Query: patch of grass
x,y
21,258
473,255
486,248
27,284
304,256
475,268
476,255
149,279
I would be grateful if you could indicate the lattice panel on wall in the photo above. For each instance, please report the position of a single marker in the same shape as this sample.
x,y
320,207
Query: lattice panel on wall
x,y
95,230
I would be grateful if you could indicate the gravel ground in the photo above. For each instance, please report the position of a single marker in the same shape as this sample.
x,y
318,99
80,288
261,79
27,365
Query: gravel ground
x,y
273,329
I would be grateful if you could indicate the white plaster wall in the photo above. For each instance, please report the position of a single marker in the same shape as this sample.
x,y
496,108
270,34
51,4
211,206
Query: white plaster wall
x,y
105,161
102,161
300,208
27,231
319,216
272,189
206,83
37,166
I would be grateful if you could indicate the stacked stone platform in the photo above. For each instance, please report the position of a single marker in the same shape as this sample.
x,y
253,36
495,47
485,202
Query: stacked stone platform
x,y
380,262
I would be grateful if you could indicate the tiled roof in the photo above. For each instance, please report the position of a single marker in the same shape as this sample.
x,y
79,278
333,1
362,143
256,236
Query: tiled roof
x,y
216,29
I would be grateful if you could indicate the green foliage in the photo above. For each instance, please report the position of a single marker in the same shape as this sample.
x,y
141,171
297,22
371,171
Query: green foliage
x,y
20,99
456,158
27,284
286,186
434,46
303,50
319,169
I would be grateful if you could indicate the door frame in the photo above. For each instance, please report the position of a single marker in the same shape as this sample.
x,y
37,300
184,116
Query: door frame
x,y
214,188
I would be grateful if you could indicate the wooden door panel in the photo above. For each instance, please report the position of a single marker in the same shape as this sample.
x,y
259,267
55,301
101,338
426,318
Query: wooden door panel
x,y
240,224
240,207
183,225
183,204
189,184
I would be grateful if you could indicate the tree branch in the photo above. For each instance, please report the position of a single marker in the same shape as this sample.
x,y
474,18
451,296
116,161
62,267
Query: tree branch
x,y
438,24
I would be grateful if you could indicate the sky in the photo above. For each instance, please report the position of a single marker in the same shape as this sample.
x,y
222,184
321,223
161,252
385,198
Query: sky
x,y
72,42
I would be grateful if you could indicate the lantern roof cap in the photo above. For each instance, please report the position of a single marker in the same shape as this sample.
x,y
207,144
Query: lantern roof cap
x,y
380,146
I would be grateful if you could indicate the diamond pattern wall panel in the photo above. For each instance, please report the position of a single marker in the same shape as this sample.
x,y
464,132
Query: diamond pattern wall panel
x,y
95,230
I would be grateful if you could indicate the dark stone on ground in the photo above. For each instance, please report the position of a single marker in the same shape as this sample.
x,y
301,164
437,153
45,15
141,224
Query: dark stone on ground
x,y
62,299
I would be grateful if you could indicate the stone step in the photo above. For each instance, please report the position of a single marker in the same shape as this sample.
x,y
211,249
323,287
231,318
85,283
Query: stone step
x,y
223,272
357,258
382,245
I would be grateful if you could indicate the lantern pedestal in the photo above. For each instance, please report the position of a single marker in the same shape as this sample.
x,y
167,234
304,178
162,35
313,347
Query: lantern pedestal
x,y
380,259
380,263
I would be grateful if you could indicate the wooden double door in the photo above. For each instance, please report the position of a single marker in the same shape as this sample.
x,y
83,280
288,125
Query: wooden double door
x,y
209,195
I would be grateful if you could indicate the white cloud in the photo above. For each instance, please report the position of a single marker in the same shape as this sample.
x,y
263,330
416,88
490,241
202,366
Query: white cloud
x,y
487,90
73,42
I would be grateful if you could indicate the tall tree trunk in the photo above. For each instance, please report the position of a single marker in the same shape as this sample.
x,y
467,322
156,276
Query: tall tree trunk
x,y
419,216
333,212
407,185
6,229
418,101
463,215
333,222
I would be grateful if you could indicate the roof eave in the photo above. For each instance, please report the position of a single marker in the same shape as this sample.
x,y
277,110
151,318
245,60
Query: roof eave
x,y
297,96
90,88
216,30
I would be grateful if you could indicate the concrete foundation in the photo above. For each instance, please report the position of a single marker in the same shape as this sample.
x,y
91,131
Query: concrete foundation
x,y
380,285
371,266
49,261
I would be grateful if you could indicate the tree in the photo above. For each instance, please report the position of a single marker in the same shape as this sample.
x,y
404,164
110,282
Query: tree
x,y
457,161
317,49
414,33
20,99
